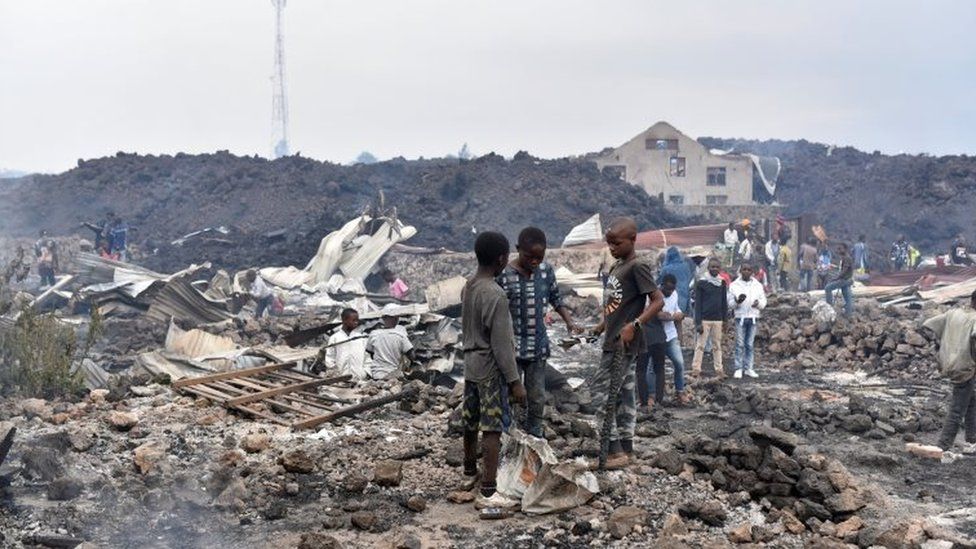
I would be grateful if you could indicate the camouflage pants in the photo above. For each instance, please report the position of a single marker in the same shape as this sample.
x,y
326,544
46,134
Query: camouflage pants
x,y
626,417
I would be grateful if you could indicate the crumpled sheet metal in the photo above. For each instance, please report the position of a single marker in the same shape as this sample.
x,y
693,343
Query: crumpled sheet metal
x,y
178,299
590,230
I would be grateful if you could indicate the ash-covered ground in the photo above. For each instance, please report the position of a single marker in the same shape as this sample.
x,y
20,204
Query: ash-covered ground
x,y
810,454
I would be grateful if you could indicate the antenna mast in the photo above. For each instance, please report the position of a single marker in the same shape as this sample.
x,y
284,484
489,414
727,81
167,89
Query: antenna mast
x,y
279,102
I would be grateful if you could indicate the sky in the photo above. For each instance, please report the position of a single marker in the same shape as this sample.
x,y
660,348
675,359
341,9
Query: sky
x,y
85,79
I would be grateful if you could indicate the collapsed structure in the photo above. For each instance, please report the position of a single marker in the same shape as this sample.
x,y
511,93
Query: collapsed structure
x,y
209,427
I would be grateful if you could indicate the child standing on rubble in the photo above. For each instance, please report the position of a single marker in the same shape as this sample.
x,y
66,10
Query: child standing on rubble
x,y
490,372
630,300
530,285
398,288
956,330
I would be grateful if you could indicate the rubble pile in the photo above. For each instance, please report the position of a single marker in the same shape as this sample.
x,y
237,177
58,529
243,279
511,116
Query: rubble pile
x,y
888,341
275,211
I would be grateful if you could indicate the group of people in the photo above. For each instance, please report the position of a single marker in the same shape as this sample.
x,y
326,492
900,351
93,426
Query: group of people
x,y
111,237
640,326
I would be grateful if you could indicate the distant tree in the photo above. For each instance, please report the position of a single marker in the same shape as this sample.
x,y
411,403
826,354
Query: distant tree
x,y
465,153
365,157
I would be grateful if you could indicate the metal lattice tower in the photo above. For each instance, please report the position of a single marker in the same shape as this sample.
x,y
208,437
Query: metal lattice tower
x,y
279,99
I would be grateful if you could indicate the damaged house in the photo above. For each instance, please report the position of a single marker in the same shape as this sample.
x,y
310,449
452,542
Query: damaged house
x,y
683,172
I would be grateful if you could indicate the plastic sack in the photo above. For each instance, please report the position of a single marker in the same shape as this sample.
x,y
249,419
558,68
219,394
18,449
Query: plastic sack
x,y
560,487
521,458
530,472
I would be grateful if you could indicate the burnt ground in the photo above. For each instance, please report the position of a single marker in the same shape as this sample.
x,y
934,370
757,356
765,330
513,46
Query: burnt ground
x,y
203,490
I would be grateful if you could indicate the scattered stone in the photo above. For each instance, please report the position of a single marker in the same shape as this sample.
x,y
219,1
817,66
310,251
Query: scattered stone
x,y
81,440
355,483
36,407
848,501
388,473
765,436
255,442
297,461
623,520
416,504
316,540
98,396
741,534
292,488
276,511
364,520
408,541
858,423
122,421
233,495
147,456
674,526
710,512
791,523
460,497
669,460
64,489
848,527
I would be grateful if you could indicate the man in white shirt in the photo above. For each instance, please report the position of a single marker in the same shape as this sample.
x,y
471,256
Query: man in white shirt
x,y
388,346
670,314
346,350
772,261
747,297
731,239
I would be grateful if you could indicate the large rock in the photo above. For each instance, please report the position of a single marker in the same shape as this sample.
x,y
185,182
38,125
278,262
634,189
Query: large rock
x,y
710,512
297,461
848,501
233,495
741,534
388,472
364,520
858,423
147,456
765,436
64,489
122,421
36,407
81,440
255,442
669,460
623,520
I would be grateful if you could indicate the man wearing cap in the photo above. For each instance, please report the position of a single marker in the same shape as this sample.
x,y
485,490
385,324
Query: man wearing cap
x,y
388,345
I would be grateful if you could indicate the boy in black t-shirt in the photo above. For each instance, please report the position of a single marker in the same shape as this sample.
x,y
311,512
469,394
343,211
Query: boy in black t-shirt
x,y
629,284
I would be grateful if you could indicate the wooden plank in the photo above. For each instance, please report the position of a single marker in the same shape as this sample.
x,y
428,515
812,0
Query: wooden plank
x,y
261,415
207,393
352,410
286,389
231,375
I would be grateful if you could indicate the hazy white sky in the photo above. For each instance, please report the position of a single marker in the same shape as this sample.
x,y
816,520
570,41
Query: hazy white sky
x,y
87,78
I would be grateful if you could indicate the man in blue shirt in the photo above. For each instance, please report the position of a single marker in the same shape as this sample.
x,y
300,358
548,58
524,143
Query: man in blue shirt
x,y
530,284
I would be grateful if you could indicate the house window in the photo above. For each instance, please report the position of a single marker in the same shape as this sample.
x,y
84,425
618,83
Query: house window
x,y
677,166
716,199
716,177
656,144
677,199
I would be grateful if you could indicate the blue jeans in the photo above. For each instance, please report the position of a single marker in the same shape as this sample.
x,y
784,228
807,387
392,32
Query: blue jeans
x,y
534,379
806,280
845,289
745,335
673,350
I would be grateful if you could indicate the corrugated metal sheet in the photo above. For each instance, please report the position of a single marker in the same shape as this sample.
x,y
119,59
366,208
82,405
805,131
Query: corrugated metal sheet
x,y
178,299
373,248
590,230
